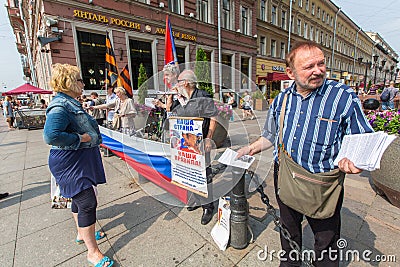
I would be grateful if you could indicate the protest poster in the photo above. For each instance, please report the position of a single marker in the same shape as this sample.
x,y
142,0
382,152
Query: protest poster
x,y
187,154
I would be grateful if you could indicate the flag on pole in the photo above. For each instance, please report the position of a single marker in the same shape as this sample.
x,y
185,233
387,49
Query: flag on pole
x,y
170,50
125,79
111,63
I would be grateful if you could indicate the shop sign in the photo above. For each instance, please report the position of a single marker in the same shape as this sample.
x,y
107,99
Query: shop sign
x,y
107,20
278,68
176,34
128,24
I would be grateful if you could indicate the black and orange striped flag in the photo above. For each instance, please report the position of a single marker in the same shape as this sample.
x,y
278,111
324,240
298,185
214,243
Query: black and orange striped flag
x,y
125,80
111,63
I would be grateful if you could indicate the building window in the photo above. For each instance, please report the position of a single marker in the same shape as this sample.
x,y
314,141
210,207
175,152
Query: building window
x,y
283,21
245,69
226,14
299,26
263,13
245,20
292,22
327,18
262,45
140,53
174,6
227,71
203,10
92,51
305,32
317,35
307,5
321,37
300,3
273,48
313,9
273,16
311,33
282,52
318,12
323,16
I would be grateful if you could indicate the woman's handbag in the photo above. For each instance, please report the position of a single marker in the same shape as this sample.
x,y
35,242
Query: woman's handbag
x,y
116,122
312,194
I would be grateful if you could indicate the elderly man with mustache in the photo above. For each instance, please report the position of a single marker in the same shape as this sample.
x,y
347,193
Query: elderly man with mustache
x,y
316,114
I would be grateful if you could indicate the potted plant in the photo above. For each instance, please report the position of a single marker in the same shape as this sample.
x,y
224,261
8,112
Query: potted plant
x,y
387,179
260,103
142,110
272,95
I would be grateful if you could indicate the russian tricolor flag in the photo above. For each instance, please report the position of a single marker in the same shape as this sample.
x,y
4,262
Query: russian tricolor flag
x,y
170,50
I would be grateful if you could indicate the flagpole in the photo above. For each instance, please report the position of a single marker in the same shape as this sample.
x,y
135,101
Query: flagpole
x,y
219,52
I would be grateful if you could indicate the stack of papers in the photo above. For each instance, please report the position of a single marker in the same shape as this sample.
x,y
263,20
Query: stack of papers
x,y
365,150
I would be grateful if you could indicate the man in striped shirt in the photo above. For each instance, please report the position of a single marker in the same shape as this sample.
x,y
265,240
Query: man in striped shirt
x,y
318,114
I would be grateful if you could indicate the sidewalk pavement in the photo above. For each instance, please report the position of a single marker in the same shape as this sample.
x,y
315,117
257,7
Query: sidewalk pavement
x,y
143,231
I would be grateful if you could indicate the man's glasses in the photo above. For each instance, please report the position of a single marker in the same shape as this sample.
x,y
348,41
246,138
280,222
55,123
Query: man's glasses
x,y
179,81
79,80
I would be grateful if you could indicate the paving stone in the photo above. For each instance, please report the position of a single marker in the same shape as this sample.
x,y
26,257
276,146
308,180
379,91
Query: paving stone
x,y
8,228
40,217
160,241
6,253
127,212
258,257
205,255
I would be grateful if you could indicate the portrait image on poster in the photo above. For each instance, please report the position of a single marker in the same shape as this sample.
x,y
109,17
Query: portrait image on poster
x,y
187,154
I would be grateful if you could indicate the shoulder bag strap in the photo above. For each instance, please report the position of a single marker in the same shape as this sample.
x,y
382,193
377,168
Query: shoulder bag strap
x,y
281,120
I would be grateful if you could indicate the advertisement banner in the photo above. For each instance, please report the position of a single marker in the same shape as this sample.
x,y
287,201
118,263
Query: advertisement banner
x,y
187,154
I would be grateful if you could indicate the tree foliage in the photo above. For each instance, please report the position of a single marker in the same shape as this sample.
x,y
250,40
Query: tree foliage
x,y
142,84
203,72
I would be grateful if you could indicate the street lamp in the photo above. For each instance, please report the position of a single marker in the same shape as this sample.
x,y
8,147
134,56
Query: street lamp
x,y
376,66
367,65
383,62
391,72
384,79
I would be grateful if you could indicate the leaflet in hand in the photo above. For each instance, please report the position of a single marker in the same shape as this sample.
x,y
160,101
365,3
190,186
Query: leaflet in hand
x,y
229,157
149,102
364,150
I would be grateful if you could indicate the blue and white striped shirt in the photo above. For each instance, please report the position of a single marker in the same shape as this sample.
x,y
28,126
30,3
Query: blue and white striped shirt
x,y
314,126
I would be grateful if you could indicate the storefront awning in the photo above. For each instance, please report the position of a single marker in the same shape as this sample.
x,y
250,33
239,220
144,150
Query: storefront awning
x,y
274,76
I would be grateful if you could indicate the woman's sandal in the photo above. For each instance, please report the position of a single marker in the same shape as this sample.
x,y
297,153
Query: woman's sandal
x,y
103,261
98,235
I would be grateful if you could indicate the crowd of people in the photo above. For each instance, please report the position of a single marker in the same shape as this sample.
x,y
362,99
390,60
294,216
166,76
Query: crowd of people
x,y
309,145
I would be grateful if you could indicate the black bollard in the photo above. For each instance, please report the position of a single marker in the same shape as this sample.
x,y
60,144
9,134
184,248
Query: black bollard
x,y
239,211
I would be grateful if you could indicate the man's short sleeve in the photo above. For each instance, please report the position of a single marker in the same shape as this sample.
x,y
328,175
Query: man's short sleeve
x,y
269,131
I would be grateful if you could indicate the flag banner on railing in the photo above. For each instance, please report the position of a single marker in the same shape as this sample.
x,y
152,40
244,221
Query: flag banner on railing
x,y
111,63
125,80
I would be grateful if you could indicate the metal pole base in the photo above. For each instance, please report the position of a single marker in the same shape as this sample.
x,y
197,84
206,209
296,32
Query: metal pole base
x,y
239,212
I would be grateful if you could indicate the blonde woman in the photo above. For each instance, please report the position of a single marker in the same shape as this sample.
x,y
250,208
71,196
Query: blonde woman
x,y
74,158
124,110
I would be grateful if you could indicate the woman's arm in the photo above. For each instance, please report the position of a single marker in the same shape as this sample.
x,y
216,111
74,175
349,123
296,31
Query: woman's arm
x,y
54,133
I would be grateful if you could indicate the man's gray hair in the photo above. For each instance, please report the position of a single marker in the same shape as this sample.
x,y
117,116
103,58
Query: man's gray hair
x,y
189,76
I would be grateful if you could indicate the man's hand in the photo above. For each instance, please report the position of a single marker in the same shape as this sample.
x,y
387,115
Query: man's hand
x,y
244,151
207,144
347,166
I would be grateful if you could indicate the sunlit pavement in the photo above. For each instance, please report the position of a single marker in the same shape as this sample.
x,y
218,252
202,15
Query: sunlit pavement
x,y
144,231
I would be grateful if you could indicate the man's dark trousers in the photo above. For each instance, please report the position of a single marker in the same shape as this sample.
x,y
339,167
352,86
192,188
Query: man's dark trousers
x,y
326,231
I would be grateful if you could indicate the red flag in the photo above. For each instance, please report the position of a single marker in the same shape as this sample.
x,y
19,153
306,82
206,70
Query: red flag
x,y
125,79
170,50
